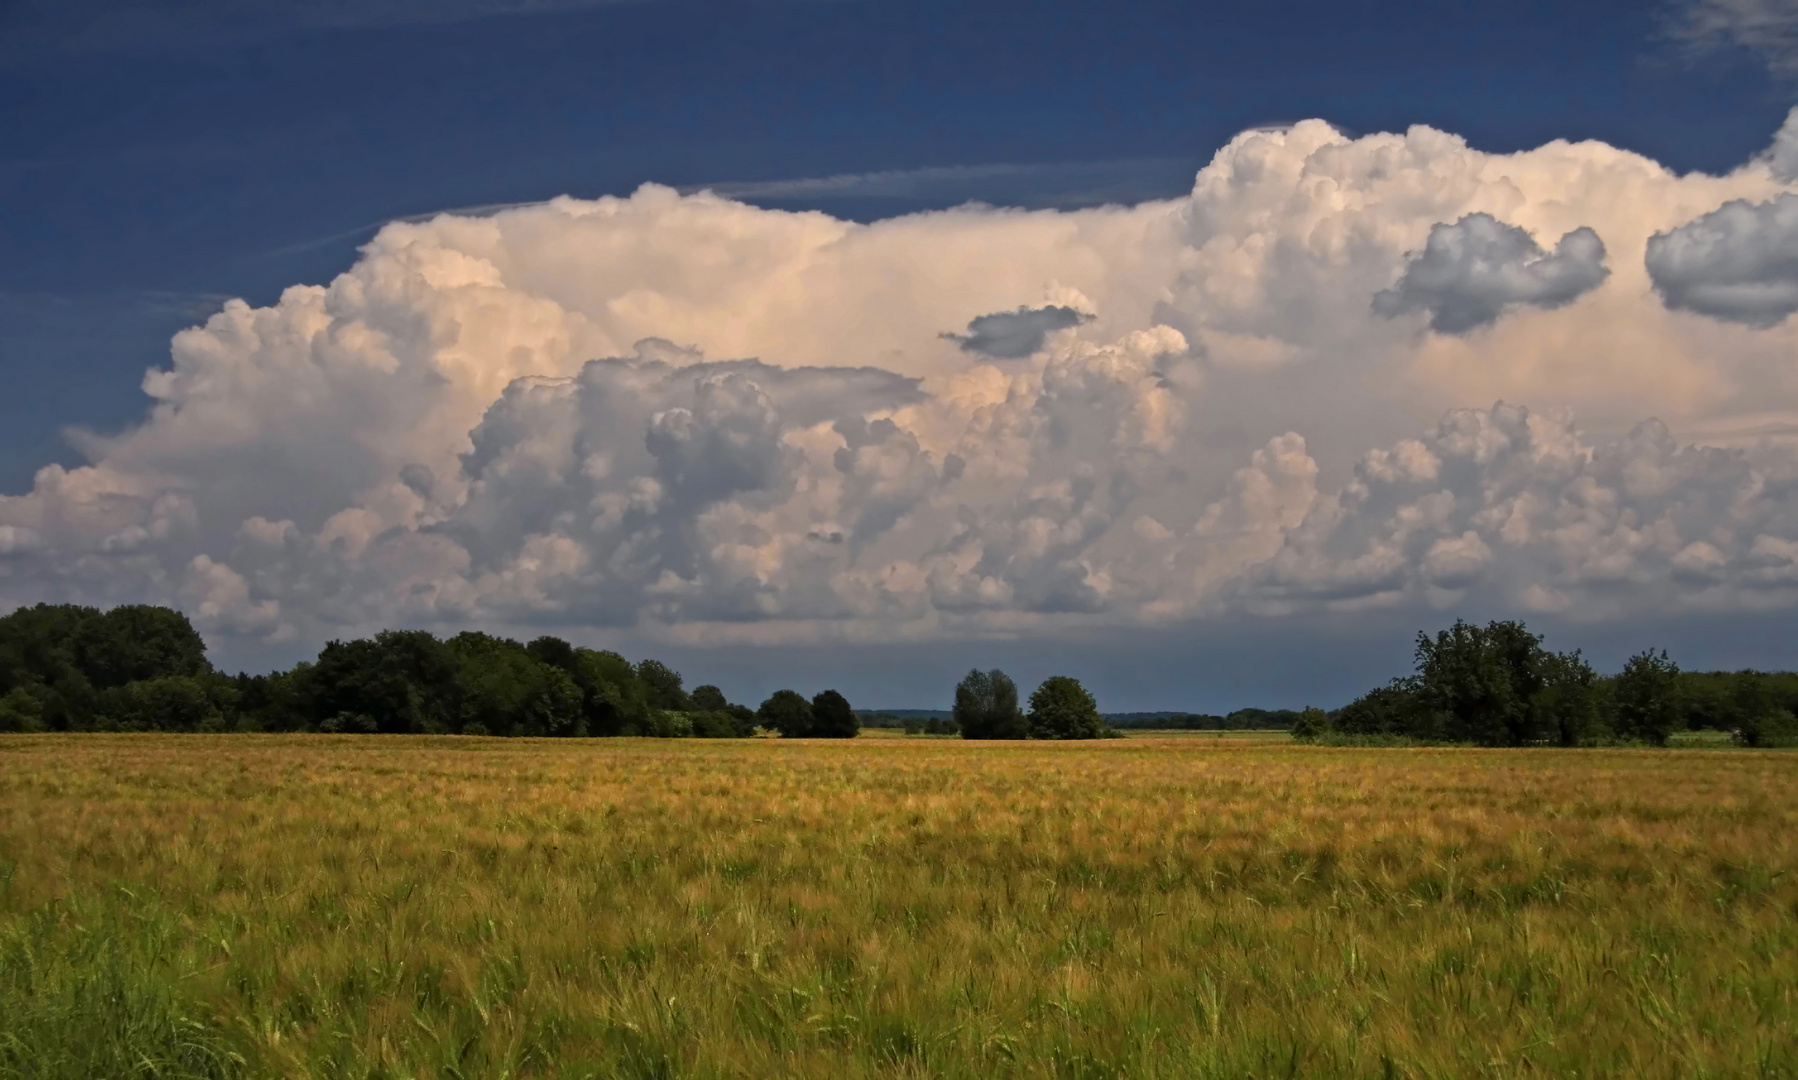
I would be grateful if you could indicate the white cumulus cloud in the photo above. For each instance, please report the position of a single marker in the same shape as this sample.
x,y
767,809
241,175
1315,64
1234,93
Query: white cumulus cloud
x,y
684,417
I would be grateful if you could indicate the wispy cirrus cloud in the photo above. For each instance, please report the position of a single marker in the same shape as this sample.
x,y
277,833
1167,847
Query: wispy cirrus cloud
x,y
1037,185
1054,183
32,29
1766,27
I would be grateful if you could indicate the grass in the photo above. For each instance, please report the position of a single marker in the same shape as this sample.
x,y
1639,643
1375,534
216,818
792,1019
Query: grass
x,y
175,906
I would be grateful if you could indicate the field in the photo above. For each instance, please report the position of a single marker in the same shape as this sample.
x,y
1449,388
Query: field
x,y
1174,906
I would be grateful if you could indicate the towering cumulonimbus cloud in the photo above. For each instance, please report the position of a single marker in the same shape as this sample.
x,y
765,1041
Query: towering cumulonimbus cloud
x,y
682,417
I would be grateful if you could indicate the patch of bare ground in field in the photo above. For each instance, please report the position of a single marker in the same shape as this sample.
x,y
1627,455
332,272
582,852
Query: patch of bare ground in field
x,y
1151,907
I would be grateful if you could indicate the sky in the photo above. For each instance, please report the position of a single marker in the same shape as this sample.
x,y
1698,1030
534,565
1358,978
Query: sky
x,y
1204,351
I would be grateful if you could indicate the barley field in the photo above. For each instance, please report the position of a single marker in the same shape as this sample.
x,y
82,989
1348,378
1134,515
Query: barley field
x,y
319,906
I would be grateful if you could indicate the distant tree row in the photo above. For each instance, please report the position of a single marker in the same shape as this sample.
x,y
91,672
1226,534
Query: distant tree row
x,y
139,668
1495,685
142,668
1240,720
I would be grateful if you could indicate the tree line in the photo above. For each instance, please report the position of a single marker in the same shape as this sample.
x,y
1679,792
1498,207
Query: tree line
x,y
1496,685
1239,720
66,667
142,668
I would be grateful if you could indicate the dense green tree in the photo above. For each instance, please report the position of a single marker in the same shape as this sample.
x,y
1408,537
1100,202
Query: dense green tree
x,y
1478,682
1494,685
507,691
65,654
1756,712
787,712
173,703
663,684
1394,709
1062,709
36,648
745,719
714,717
20,711
614,700
1311,724
275,702
832,718
713,724
136,642
619,701
402,681
1704,699
1645,698
556,653
1567,703
986,707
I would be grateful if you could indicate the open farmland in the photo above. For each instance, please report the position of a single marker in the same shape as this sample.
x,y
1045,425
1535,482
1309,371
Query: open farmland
x,y
418,907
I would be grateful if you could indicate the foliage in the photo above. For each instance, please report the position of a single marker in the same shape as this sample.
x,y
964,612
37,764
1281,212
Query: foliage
x,y
70,668
1486,684
1756,713
1062,709
669,724
1311,724
140,668
787,712
1240,720
931,725
832,718
1494,685
1645,699
1568,701
65,655
663,685
507,691
713,724
173,703
1394,709
20,711
986,707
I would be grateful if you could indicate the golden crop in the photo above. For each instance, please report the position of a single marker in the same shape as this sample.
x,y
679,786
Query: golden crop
x,y
1165,907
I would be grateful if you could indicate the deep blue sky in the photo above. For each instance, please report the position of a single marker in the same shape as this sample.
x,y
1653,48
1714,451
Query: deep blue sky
x,y
158,157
